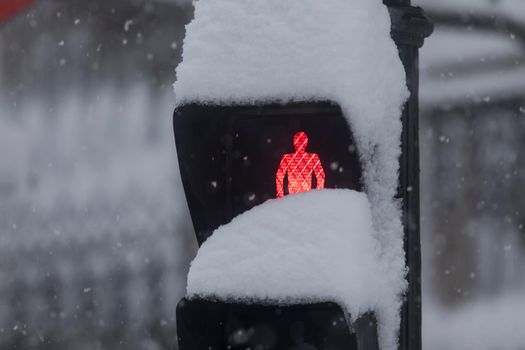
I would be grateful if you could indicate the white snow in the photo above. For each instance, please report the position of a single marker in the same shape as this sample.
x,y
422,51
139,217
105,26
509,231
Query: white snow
x,y
250,51
308,247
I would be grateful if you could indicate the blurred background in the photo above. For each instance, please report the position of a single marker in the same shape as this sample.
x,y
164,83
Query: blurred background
x,y
95,237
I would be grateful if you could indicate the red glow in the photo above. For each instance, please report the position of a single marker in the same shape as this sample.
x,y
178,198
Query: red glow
x,y
9,8
299,167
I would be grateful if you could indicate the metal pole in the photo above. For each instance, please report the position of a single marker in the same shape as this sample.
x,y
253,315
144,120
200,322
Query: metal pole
x,y
409,29
410,338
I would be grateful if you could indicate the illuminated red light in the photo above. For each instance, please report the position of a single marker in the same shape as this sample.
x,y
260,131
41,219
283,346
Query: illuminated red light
x,y
299,167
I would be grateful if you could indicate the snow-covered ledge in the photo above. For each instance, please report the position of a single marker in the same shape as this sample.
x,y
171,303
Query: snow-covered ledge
x,y
309,247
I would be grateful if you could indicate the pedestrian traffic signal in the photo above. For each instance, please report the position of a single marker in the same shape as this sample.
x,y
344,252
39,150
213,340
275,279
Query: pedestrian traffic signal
x,y
207,324
233,158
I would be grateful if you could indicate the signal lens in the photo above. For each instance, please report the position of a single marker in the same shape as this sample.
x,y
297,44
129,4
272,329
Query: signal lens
x,y
298,168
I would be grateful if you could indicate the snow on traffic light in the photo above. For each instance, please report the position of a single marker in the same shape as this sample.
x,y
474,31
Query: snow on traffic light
x,y
254,76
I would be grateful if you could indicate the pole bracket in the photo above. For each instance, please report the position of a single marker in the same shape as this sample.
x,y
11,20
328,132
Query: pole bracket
x,y
410,26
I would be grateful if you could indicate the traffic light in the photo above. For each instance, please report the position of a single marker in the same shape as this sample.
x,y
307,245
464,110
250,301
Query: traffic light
x,y
233,158
236,152
207,324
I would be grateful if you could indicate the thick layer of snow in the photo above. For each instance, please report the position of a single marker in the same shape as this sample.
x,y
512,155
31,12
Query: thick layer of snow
x,y
251,51
315,246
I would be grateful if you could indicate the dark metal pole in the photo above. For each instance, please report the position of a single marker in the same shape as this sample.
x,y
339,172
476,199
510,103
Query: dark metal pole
x,y
409,29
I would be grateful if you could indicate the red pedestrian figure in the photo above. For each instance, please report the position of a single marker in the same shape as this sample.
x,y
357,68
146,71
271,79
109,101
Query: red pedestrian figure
x,y
299,167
